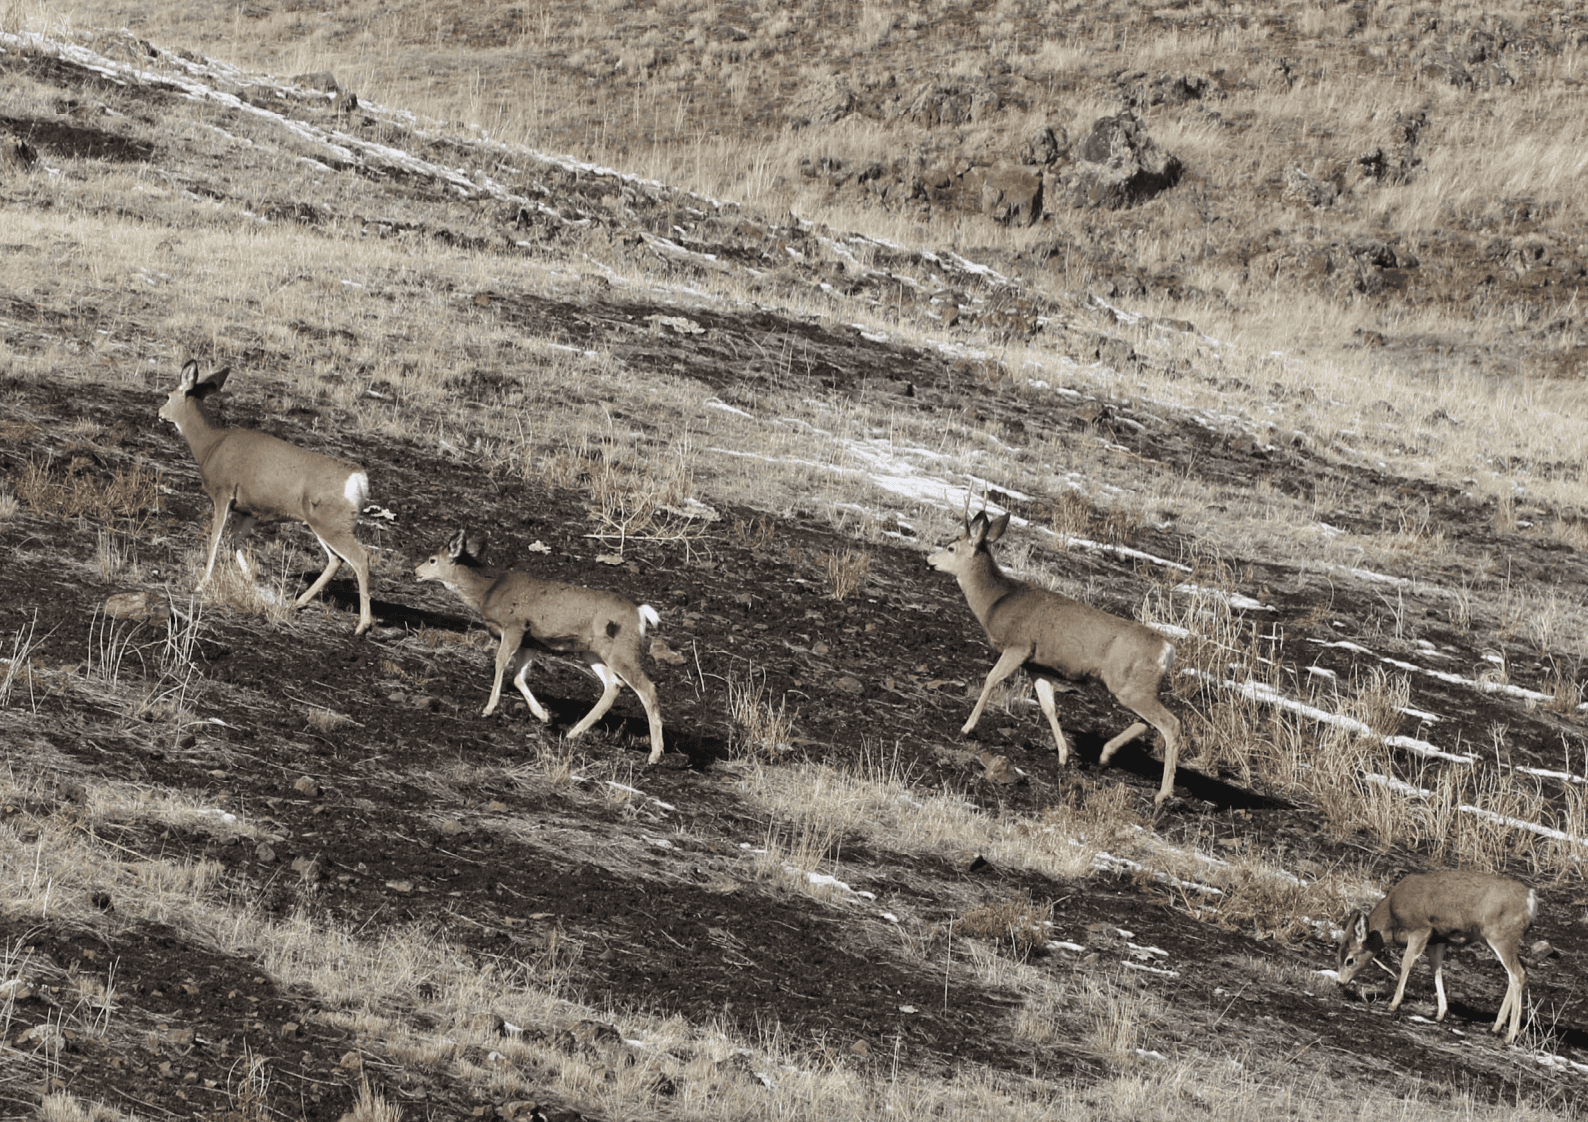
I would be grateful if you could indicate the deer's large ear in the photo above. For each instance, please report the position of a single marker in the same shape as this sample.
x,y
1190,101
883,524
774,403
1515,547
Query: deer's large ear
x,y
474,545
210,383
189,376
456,546
996,530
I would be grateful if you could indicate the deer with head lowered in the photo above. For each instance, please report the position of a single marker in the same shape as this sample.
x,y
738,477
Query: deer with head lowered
x,y
533,616
1056,638
265,479
1450,907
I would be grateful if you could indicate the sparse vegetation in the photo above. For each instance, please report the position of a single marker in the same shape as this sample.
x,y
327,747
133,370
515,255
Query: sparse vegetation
x,y
1312,413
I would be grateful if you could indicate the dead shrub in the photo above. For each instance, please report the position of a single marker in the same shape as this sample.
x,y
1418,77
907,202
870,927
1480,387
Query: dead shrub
x,y
760,729
128,493
846,572
1019,923
1071,518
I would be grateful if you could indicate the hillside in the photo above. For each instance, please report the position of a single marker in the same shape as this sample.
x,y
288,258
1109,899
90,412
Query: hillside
x,y
1320,420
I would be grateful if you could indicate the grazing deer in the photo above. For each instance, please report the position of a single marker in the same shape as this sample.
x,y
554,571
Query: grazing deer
x,y
1056,638
531,615
1435,910
268,480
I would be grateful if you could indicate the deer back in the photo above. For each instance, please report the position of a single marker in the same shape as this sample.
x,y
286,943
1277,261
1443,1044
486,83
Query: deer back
x,y
1456,905
1068,636
560,616
271,478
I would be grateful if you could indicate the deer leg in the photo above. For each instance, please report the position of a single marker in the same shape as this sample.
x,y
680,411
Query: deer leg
x,y
333,561
1122,739
611,683
511,638
520,679
339,546
1515,990
244,526
1008,662
1415,942
523,662
223,509
645,689
1436,959
1150,710
1044,689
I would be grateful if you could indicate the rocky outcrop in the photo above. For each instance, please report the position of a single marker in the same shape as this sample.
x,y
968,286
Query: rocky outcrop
x,y
1012,194
1118,165
822,102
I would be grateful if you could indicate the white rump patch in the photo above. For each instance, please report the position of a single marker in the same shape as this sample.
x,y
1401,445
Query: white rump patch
x,y
648,616
357,490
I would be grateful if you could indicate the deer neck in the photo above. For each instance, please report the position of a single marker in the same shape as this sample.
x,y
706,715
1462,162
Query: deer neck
x,y
984,584
472,583
197,429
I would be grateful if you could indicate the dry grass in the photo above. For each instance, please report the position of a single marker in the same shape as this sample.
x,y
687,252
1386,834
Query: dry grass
x,y
541,430
760,729
846,572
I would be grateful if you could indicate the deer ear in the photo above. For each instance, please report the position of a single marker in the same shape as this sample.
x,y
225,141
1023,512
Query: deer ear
x,y
210,383
475,545
456,546
1359,929
189,376
996,530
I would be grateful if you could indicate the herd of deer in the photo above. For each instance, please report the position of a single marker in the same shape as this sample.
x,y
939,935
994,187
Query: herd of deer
x,y
260,478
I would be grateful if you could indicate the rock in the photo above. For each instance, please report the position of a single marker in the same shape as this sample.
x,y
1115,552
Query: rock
x,y
821,102
952,103
595,1032
322,80
661,652
998,770
1047,146
1302,189
264,853
147,606
305,785
1012,195
15,153
1118,165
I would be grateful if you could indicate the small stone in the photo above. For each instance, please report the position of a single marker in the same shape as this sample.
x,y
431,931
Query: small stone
x,y
144,606
351,1061
264,853
307,786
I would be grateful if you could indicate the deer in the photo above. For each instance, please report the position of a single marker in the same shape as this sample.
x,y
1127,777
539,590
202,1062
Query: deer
x,y
1058,639
1433,911
532,616
265,479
